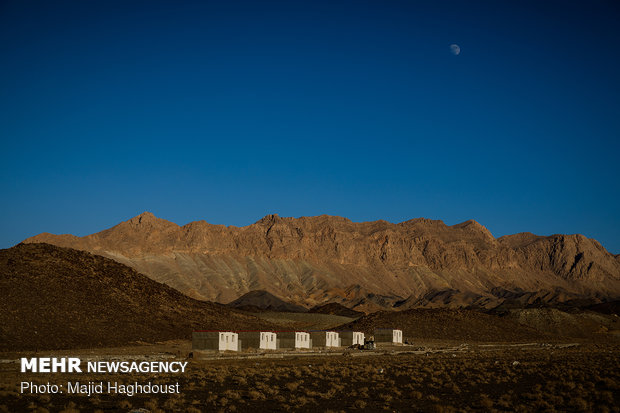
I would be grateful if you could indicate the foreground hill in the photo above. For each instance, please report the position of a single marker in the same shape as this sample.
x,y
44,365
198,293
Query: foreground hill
x,y
59,298
365,266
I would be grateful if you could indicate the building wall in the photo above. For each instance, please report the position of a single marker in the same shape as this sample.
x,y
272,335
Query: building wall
x,y
265,340
325,339
397,336
270,341
294,339
229,341
286,339
333,339
215,340
302,340
388,335
205,340
318,338
349,338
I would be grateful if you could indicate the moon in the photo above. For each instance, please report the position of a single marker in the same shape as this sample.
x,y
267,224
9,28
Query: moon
x,y
455,49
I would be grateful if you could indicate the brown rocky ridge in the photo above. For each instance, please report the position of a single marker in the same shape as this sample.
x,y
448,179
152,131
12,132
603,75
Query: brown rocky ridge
x,y
60,298
366,266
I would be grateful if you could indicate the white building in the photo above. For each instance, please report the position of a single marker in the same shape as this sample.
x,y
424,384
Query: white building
x,y
269,340
229,341
302,339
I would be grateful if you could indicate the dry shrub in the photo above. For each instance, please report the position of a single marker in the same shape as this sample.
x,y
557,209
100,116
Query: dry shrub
x,y
579,404
292,386
440,408
485,401
607,397
360,404
44,398
311,393
151,404
256,395
232,394
505,402
172,403
301,401
72,408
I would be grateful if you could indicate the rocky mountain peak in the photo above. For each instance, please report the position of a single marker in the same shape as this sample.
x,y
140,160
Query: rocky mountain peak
x,y
143,218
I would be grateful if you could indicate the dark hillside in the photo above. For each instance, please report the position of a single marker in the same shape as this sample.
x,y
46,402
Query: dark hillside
x,y
55,298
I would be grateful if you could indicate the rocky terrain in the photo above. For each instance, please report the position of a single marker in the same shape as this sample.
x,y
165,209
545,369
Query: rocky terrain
x,y
365,266
59,298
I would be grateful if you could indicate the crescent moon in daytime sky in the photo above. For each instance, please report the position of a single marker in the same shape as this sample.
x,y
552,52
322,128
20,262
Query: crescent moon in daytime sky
x,y
455,49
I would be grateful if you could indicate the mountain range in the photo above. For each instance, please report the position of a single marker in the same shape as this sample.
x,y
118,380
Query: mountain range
x,y
366,266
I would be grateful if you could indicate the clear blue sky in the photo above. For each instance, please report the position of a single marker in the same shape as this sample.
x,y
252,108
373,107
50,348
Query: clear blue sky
x,y
227,111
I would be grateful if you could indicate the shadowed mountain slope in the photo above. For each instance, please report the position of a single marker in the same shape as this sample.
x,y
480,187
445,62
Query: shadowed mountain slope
x,y
59,298
365,266
262,300
335,309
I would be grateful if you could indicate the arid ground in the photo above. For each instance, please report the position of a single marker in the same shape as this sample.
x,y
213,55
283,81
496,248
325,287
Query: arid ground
x,y
434,377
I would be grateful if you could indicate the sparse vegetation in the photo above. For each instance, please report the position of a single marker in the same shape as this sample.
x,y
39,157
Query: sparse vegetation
x,y
545,378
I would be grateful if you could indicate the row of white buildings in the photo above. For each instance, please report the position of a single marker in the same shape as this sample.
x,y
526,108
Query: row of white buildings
x,y
272,340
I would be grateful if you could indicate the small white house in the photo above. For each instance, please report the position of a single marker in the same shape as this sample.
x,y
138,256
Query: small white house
x,y
388,335
270,340
229,341
302,339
